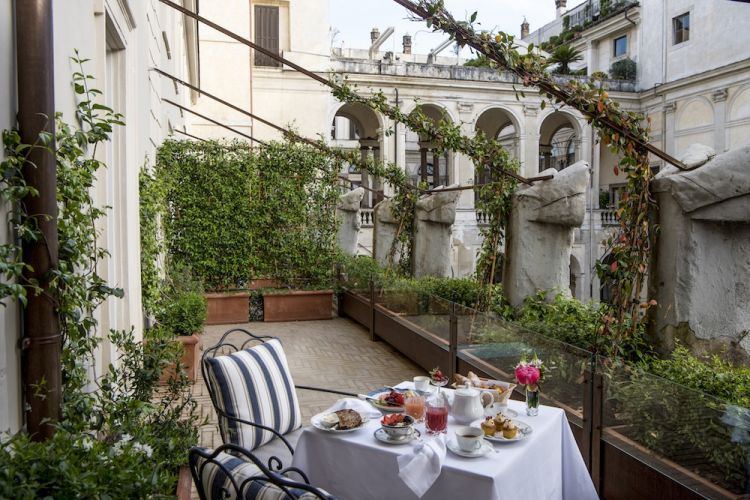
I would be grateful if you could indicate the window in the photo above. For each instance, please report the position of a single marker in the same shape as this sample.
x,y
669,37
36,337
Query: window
x,y
620,46
266,34
681,28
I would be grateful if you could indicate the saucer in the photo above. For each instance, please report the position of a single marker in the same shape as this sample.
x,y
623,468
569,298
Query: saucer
x,y
383,436
482,451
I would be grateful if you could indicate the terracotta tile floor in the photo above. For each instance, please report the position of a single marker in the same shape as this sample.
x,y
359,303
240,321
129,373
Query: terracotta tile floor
x,y
335,354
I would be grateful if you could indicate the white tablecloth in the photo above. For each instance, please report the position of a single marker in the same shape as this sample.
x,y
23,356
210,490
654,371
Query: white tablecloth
x,y
546,465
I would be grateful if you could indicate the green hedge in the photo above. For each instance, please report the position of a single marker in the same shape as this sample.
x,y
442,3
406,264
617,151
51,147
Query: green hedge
x,y
208,223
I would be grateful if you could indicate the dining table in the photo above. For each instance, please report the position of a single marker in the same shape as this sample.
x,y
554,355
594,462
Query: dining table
x,y
546,464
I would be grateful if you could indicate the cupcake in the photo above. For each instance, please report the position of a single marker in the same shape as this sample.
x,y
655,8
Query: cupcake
x,y
499,421
488,426
509,430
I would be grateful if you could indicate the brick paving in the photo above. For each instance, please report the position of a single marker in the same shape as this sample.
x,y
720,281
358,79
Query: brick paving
x,y
335,354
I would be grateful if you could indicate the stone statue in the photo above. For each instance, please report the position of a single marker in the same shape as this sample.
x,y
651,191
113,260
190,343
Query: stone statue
x,y
385,227
701,273
436,214
347,213
539,237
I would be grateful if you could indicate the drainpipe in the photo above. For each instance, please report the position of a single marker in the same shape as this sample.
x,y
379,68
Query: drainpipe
x,y
41,343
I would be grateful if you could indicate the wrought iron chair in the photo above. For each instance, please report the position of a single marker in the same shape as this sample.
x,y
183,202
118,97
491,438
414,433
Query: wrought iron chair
x,y
233,472
252,392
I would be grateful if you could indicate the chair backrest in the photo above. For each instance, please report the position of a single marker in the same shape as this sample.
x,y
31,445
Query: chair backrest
x,y
251,389
233,472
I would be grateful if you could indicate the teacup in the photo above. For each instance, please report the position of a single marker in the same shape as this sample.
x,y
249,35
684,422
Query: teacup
x,y
469,439
422,383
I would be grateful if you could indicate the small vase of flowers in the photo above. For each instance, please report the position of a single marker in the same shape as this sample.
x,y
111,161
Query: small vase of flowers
x,y
529,373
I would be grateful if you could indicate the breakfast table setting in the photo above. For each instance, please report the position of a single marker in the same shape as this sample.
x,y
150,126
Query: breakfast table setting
x,y
421,439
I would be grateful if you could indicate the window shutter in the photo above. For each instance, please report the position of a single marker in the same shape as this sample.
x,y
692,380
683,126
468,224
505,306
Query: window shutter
x,y
266,34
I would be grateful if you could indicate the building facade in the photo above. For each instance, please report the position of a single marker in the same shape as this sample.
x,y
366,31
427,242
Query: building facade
x,y
691,80
124,40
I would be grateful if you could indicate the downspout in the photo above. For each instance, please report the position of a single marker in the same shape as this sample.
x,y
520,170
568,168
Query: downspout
x,y
41,344
626,17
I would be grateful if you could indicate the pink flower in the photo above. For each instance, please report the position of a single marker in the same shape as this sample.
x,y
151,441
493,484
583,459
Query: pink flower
x,y
521,374
532,375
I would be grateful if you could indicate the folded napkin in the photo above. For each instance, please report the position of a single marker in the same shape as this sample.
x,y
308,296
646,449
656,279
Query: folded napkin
x,y
421,468
361,407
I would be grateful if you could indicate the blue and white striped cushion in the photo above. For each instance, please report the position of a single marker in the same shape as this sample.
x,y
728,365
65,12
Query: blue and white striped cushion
x,y
255,385
217,484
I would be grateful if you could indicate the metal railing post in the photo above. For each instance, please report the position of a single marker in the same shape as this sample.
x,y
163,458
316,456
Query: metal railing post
x,y
373,336
453,342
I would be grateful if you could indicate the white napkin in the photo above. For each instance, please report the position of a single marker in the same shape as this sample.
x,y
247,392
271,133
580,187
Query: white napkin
x,y
361,407
421,468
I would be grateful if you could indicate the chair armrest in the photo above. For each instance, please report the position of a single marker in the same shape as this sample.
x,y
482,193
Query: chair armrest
x,y
320,389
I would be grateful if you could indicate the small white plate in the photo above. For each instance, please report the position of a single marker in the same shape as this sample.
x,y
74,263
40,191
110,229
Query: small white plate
x,y
315,421
480,452
496,408
383,436
524,430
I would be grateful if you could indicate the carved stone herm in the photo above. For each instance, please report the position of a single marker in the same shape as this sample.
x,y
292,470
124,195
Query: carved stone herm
x,y
348,215
385,228
701,277
541,231
436,214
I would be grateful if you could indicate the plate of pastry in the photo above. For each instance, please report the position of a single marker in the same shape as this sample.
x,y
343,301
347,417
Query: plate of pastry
x,y
500,429
339,421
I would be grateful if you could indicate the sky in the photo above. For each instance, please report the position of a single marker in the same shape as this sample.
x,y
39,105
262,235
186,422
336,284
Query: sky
x,y
355,18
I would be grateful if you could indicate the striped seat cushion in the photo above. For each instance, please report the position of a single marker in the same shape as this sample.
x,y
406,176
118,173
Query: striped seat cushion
x,y
255,385
248,480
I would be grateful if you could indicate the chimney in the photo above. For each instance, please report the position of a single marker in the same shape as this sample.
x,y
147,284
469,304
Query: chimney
x,y
524,29
561,7
407,44
374,35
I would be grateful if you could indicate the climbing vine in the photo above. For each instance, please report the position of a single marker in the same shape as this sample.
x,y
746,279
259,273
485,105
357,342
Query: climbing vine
x,y
117,434
624,132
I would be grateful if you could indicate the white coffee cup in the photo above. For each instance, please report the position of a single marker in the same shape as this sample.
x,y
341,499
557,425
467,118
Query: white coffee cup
x,y
469,439
422,383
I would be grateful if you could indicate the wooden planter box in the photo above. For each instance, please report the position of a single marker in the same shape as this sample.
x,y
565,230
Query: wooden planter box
x,y
227,308
298,305
184,484
191,347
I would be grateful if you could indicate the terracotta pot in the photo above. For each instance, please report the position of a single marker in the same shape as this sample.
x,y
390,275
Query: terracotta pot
x,y
184,483
191,347
227,308
259,283
298,305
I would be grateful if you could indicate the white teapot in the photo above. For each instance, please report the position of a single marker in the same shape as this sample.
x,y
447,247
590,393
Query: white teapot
x,y
466,406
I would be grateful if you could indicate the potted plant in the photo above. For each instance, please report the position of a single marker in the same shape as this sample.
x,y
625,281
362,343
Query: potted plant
x,y
294,231
182,313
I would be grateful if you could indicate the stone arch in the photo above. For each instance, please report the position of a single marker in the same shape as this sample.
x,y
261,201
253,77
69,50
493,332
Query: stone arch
x,y
423,163
354,126
695,113
739,105
495,121
560,135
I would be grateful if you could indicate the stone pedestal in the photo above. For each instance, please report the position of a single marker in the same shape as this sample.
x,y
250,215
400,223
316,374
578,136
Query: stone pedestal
x,y
347,213
701,271
385,226
436,214
540,235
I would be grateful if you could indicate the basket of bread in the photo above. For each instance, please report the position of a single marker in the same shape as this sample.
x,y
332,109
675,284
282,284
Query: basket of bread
x,y
500,390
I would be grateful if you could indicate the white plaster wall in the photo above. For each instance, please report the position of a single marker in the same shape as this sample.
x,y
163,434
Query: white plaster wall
x,y
718,36
10,376
81,24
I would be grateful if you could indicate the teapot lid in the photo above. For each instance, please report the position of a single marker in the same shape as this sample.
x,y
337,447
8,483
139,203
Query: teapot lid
x,y
467,391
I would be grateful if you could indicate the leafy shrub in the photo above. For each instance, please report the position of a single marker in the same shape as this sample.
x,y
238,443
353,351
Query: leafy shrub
x,y
122,441
624,69
208,222
183,313
599,75
554,40
712,376
293,221
151,200
566,23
